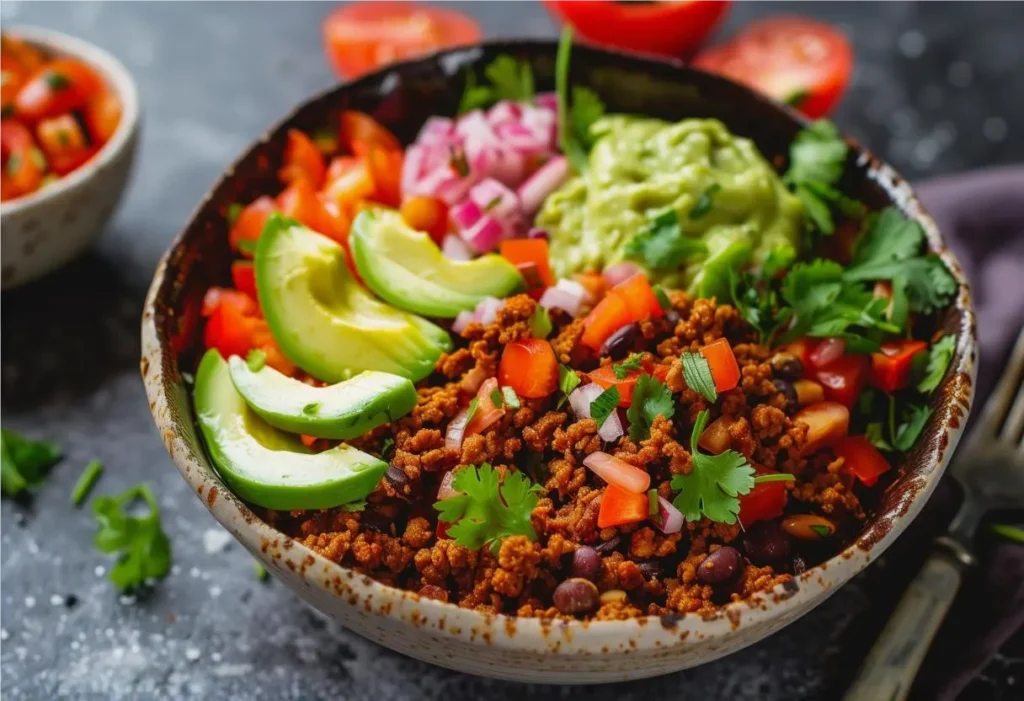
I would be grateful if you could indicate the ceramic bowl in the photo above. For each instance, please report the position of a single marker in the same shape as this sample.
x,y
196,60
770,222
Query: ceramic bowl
x,y
50,227
525,649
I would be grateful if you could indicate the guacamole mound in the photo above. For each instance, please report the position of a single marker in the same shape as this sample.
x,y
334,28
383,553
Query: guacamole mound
x,y
642,166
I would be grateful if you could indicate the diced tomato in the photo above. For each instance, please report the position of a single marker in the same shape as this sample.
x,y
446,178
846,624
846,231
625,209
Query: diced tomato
x,y
487,412
102,116
890,369
843,379
250,223
427,214
300,202
605,376
532,279
639,297
243,274
229,330
827,422
520,251
385,167
801,349
14,76
716,438
722,362
218,296
308,441
349,183
302,159
63,143
765,501
361,133
360,36
827,351
529,367
862,458
61,86
796,60
619,507
23,162
610,315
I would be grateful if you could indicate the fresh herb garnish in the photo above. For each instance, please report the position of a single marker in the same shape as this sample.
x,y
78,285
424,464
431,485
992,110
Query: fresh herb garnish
x,y
511,398
574,122
540,323
816,160
774,477
234,211
704,202
874,433
386,446
474,404
145,551
311,409
652,502
497,398
56,80
778,260
633,362
663,301
663,245
604,404
715,482
354,506
914,418
568,380
756,300
24,462
823,531
457,160
697,375
939,357
86,481
487,509
256,359
587,108
651,398
509,79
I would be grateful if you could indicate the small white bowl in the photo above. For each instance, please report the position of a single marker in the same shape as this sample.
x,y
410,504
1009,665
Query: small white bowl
x,y
50,227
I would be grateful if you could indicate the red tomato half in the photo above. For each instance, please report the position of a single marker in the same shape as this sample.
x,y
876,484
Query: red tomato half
x,y
360,36
791,59
667,28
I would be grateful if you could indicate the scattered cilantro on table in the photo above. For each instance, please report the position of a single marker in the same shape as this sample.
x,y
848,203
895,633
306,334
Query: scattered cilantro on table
x,y
86,481
24,462
604,404
651,398
633,362
143,547
697,375
488,509
508,79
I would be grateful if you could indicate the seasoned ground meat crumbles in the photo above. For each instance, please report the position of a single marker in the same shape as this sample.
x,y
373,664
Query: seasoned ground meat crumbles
x,y
640,571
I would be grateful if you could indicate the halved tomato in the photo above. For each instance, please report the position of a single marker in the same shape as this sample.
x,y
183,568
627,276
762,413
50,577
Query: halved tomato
x,y
792,59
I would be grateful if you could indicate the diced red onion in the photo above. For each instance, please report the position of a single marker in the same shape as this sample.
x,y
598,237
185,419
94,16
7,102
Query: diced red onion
x,y
611,429
412,167
546,100
524,140
620,272
453,436
474,126
465,214
566,294
461,321
487,310
542,123
669,519
484,236
454,248
454,189
618,472
508,167
536,233
504,112
548,178
581,398
439,131
575,288
495,199
827,352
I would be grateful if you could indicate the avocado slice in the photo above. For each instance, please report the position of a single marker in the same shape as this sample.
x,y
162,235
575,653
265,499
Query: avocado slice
x,y
406,268
344,410
268,467
325,321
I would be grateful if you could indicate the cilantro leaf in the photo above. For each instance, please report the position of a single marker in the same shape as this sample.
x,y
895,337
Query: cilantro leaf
x,y
386,445
756,305
497,398
697,375
633,362
574,121
888,236
663,245
256,359
604,404
778,260
568,380
24,462
587,108
939,357
915,416
817,154
145,551
712,487
704,202
509,79
487,510
474,96
474,404
651,398
873,432
540,323
354,506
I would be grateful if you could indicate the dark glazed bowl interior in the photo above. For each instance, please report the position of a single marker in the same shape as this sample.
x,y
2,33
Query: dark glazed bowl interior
x,y
402,97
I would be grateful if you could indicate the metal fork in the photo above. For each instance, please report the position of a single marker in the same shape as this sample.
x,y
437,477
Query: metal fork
x,y
990,469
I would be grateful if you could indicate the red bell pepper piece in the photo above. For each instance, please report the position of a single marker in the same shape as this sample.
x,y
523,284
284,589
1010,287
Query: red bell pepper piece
x,y
843,379
639,297
524,251
529,367
302,159
890,369
619,507
249,224
862,458
605,376
628,302
722,362
765,501
243,274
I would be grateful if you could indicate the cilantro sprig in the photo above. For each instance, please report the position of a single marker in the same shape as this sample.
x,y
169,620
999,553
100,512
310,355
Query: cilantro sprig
x,y
939,357
651,398
633,362
568,380
145,551
24,462
663,245
816,160
508,79
604,404
575,116
697,375
487,508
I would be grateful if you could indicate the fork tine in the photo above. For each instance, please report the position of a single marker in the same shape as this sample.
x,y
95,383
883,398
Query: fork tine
x,y
991,420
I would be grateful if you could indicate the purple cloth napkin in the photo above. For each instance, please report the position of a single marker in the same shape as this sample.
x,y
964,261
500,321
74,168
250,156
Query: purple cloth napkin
x,y
981,215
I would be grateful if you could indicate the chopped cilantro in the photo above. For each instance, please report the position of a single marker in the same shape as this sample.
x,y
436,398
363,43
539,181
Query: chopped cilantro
x,y
256,359
823,531
86,481
816,160
510,79
663,245
697,375
899,306
874,433
914,418
56,80
756,302
24,462
474,404
662,297
145,552
386,446
487,509
311,409
605,403
568,380
354,506
587,108
540,323
497,398
704,202
652,502
247,246
712,487
778,259
939,357
633,362
651,398
234,211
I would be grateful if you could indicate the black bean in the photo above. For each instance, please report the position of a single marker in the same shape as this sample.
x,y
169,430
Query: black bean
x,y
608,545
621,342
575,596
397,477
789,392
787,366
765,543
376,521
586,563
650,569
720,566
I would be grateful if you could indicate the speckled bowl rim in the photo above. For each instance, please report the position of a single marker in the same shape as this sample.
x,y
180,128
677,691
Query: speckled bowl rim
x,y
117,76
781,605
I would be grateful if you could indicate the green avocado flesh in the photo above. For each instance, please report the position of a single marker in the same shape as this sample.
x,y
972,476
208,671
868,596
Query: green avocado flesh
x,y
325,321
406,268
268,467
344,410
